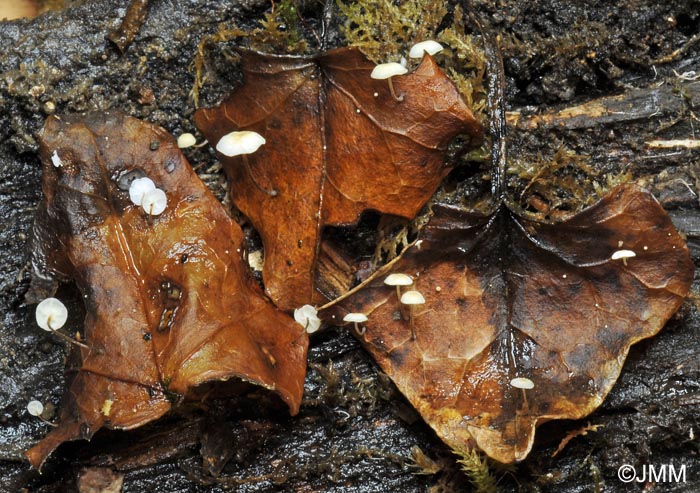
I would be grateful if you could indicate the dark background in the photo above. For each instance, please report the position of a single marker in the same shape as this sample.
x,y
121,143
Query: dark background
x,y
355,432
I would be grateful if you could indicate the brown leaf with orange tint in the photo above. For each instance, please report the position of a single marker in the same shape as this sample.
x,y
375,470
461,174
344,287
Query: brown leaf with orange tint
x,y
338,144
509,297
170,302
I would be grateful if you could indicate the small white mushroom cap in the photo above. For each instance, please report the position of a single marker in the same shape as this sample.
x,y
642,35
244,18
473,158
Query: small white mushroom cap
x,y
186,140
154,202
387,70
623,254
355,317
138,188
35,408
398,279
429,46
522,383
237,143
412,298
307,317
51,314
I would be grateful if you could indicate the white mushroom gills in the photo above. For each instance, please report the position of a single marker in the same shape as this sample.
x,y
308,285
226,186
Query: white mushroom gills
x,y
154,202
387,71
51,314
429,46
623,255
186,140
412,298
307,317
356,318
241,143
35,408
138,188
398,279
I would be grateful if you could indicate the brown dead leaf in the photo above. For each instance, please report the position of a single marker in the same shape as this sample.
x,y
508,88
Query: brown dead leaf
x,y
170,302
337,144
509,297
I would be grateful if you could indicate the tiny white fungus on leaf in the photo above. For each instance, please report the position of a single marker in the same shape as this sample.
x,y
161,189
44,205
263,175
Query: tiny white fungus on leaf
x,y
238,143
355,318
429,46
388,70
186,140
138,188
624,255
522,383
35,408
51,314
307,317
412,298
154,202
398,279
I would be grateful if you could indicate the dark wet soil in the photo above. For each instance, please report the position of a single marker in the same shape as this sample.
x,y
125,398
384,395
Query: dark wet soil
x,y
355,433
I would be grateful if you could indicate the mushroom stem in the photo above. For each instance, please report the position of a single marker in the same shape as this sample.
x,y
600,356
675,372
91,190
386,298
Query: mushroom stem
x,y
393,93
48,422
65,337
271,193
411,308
398,292
358,330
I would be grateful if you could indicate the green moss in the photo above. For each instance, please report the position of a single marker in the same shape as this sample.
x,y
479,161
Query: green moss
x,y
385,31
561,184
476,467
279,31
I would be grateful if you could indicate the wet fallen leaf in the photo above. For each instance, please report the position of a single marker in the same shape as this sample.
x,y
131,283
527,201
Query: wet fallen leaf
x,y
170,302
509,297
338,144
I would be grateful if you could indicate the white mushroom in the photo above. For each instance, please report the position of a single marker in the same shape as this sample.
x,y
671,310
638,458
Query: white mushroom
x,y
412,298
356,318
522,383
398,280
623,254
186,140
154,202
387,71
35,408
241,143
51,314
429,46
307,317
138,188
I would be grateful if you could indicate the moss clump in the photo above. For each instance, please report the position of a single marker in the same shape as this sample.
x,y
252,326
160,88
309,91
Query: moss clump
x,y
279,31
560,185
476,467
385,31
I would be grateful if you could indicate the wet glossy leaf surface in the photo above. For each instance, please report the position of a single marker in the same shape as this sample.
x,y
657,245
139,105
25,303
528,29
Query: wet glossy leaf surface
x,y
508,297
337,144
170,302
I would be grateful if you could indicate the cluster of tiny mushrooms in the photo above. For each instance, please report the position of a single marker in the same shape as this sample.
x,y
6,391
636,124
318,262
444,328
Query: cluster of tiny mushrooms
x,y
51,314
